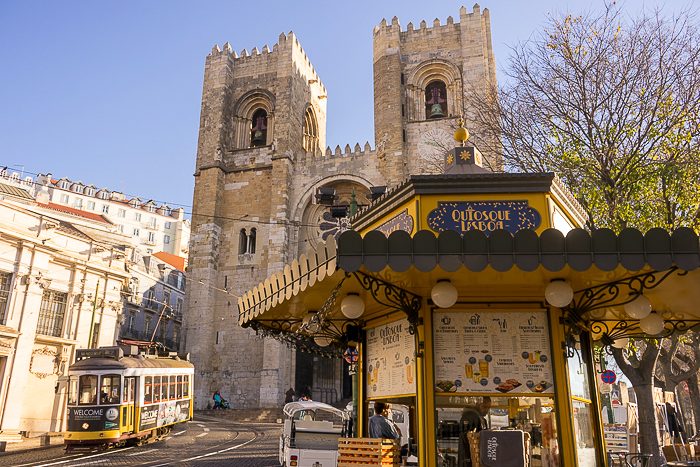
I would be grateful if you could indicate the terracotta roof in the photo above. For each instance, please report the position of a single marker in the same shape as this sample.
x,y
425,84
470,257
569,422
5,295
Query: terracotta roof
x,y
14,191
178,262
76,212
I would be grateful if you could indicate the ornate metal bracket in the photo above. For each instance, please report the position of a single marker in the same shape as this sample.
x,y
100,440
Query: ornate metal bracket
x,y
612,330
608,295
302,342
391,296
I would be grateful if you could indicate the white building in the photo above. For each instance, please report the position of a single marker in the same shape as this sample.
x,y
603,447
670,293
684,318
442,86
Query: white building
x,y
147,226
60,289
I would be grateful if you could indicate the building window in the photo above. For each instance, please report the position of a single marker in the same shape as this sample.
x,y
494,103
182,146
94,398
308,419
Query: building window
x,y
105,208
310,141
78,188
137,216
258,129
176,337
246,242
91,205
178,308
104,195
436,100
147,327
151,237
51,313
120,229
149,251
121,213
5,280
151,208
90,191
166,239
65,185
136,232
167,225
78,203
152,223
166,298
131,322
134,289
64,199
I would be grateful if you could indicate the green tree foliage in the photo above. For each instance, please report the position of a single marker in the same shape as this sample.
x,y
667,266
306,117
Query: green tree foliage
x,y
610,104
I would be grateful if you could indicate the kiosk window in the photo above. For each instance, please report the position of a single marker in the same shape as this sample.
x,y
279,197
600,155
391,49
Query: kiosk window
x,y
459,425
88,390
186,386
156,389
582,407
109,392
147,395
72,390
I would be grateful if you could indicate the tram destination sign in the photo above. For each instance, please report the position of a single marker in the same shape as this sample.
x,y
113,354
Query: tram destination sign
x,y
486,216
492,352
107,352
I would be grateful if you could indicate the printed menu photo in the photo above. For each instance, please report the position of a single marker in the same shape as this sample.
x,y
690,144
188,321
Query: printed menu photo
x,y
390,360
492,352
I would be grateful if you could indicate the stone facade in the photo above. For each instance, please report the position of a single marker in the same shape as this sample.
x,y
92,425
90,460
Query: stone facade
x,y
266,193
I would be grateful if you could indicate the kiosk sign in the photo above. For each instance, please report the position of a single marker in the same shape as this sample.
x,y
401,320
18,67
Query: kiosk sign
x,y
492,352
486,216
390,369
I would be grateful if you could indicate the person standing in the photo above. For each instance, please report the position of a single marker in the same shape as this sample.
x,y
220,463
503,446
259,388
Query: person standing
x,y
289,396
380,425
217,400
472,421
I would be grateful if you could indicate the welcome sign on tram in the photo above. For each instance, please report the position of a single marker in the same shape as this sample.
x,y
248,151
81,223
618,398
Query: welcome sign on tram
x,y
486,216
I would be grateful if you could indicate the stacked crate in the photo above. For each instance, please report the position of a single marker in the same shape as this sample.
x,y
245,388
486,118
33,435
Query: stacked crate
x,y
355,452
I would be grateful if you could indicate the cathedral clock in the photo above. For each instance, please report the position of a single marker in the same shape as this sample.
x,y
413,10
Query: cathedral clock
x,y
433,144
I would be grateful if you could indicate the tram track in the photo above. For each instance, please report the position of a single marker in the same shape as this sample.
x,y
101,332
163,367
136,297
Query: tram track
x,y
220,445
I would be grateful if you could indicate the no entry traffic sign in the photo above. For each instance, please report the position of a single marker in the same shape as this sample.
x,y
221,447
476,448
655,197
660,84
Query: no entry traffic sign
x,y
608,376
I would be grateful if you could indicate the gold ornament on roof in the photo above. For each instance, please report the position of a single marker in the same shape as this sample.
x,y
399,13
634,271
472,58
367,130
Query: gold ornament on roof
x,y
461,133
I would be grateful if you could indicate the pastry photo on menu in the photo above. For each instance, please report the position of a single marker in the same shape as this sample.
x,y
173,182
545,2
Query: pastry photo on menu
x,y
445,386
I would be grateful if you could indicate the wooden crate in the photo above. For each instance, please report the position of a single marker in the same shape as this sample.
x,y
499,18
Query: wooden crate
x,y
356,452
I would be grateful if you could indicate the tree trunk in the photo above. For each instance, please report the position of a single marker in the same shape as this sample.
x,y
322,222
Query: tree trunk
x,y
694,391
648,434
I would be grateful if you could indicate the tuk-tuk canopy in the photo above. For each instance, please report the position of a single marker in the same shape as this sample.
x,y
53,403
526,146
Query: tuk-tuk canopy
x,y
298,406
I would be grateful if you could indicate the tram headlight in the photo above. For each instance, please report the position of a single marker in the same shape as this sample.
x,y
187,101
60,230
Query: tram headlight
x,y
102,435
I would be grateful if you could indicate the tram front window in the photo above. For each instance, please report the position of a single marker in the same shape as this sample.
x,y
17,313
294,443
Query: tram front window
x,y
88,390
72,390
109,393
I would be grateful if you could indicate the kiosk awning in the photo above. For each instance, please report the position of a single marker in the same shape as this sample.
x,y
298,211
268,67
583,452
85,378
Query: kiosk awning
x,y
500,252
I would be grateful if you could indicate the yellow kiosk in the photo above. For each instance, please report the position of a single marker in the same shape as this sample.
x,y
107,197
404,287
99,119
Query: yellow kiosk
x,y
469,284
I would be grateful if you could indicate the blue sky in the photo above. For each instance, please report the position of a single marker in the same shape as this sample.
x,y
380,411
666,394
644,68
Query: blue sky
x,y
108,92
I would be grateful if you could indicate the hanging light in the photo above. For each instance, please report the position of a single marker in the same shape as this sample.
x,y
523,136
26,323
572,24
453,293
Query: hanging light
x,y
352,306
621,343
652,324
639,308
311,326
558,293
322,341
444,294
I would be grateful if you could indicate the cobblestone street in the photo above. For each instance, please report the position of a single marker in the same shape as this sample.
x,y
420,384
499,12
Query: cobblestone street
x,y
207,441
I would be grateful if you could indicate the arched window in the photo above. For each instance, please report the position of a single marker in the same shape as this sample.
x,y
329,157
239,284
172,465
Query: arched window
x,y
251,242
242,242
310,141
246,242
436,100
258,129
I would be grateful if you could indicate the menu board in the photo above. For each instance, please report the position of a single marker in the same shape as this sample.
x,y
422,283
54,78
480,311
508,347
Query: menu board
x,y
390,368
492,352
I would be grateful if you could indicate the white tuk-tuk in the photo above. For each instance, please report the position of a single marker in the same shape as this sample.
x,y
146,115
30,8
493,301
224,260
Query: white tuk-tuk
x,y
311,432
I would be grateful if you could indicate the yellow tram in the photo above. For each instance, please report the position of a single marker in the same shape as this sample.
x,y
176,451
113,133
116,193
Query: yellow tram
x,y
116,395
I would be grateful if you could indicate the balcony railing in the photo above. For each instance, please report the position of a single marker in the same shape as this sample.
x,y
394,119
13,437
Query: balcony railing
x,y
148,241
150,225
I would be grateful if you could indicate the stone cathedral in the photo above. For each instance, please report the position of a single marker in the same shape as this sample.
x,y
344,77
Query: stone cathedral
x,y
261,160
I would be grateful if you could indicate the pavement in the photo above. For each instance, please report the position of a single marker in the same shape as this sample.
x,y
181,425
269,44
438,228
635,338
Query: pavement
x,y
29,444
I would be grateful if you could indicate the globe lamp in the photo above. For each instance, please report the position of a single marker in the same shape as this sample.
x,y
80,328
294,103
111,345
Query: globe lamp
x,y
652,324
322,341
558,293
639,308
352,306
621,343
444,294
